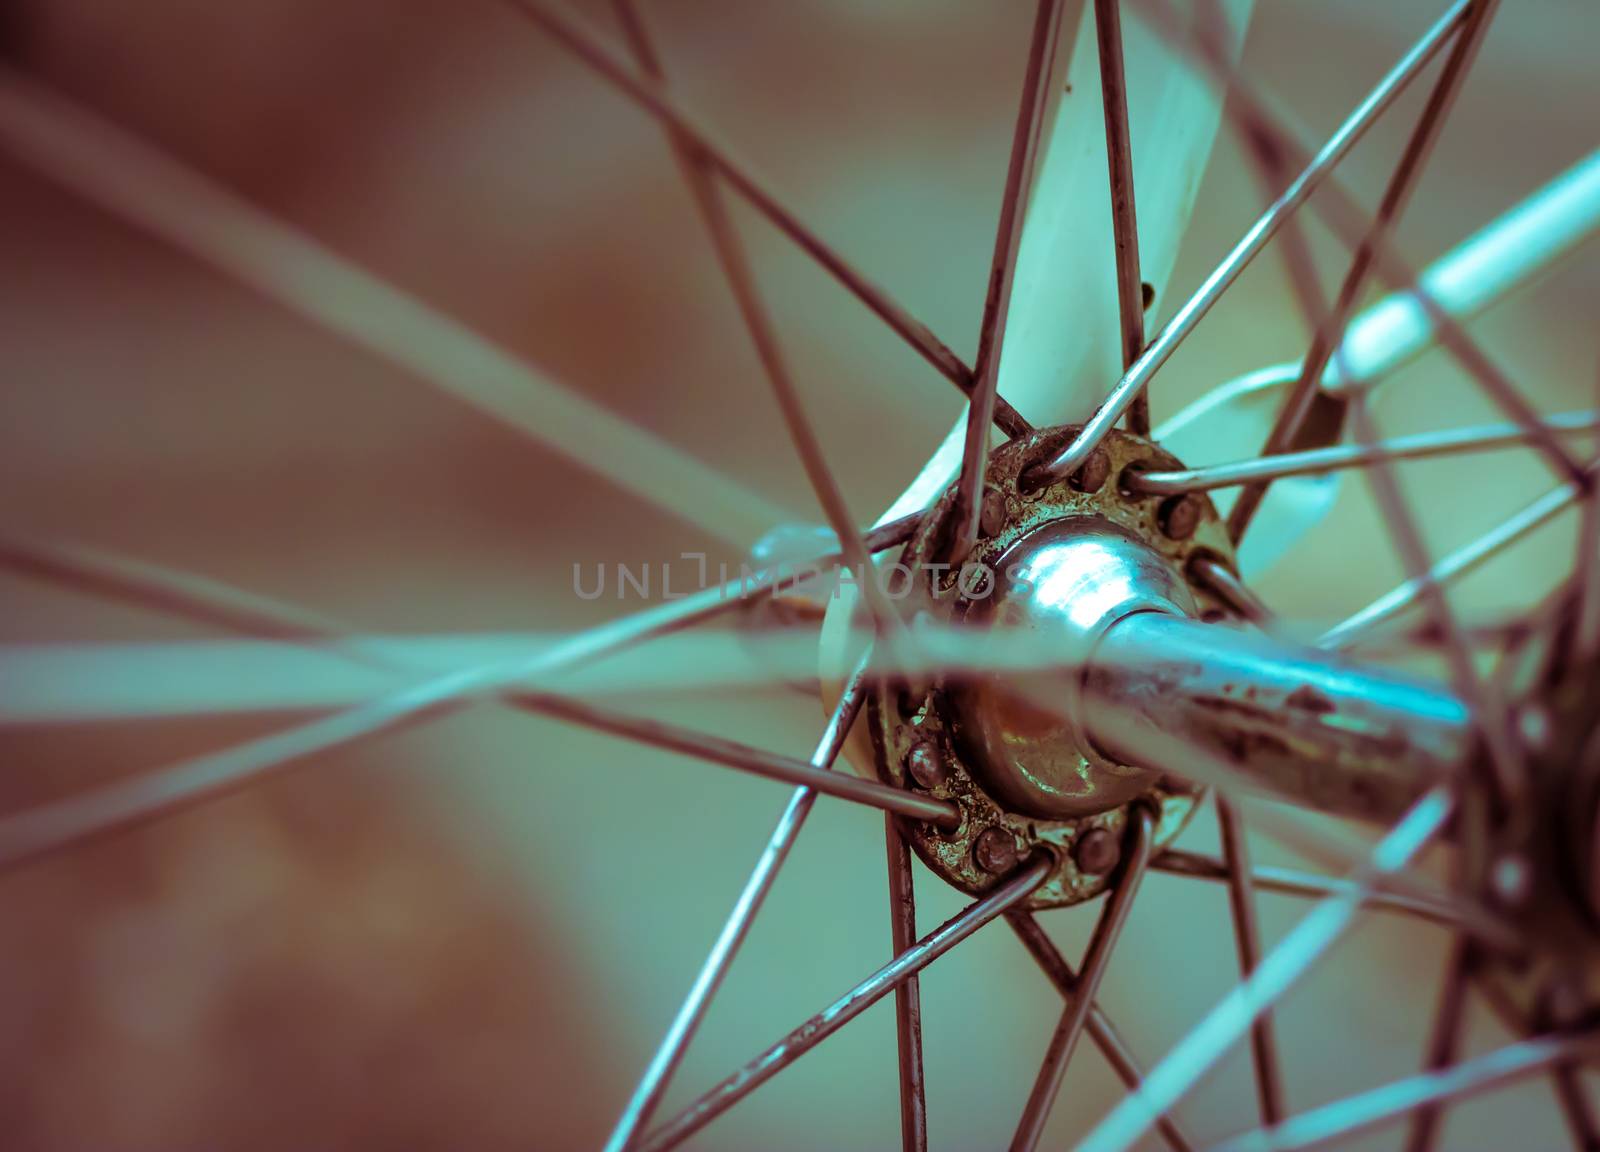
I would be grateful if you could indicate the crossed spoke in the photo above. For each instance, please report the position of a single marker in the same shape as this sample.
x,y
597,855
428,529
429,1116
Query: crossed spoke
x,y
91,158
1025,142
1313,175
1356,1114
1330,331
1005,896
570,31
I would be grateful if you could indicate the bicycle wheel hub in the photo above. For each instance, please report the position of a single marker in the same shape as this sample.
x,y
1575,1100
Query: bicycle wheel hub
x,y
1056,565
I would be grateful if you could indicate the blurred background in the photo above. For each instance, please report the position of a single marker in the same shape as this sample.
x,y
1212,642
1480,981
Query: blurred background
x,y
473,934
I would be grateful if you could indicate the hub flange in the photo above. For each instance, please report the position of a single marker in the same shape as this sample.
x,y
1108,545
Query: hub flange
x,y
1064,561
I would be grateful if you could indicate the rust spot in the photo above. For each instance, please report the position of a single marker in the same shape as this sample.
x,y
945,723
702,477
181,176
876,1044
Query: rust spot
x,y
1308,699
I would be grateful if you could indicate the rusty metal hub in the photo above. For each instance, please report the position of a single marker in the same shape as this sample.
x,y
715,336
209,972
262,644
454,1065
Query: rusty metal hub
x,y
1062,561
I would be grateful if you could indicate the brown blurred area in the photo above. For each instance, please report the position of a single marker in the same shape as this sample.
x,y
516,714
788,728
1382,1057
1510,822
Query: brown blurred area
x,y
472,936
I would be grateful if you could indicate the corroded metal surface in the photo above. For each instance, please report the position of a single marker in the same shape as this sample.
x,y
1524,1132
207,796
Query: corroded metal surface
x,y
917,730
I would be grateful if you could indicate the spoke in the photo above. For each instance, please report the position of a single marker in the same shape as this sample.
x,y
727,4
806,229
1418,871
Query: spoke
x,y
1298,952
1002,269
1247,940
570,32
138,184
1452,567
32,833
736,270
1444,1042
1586,574
653,1085
1394,1101
209,602
1292,882
1297,409
1315,461
1104,1034
1124,216
1575,1106
1351,225
1223,583
1482,699
1504,255
907,997
1250,245
1136,855
1005,896
50,828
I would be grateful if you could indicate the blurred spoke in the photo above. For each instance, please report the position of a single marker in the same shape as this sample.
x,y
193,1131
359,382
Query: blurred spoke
x,y
1330,330
1005,896
1124,214
1586,574
1482,699
736,269
1314,174
1576,1107
1291,882
1444,1042
569,30
1136,855
1104,1034
39,831
1002,268
907,997
1319,460
1453,566
1298,952
116,171
653,1085
1351,224
1358,1113
1247,939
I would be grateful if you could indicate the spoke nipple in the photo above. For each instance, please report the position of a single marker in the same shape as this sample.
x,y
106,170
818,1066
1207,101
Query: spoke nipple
x,y
992,516
1535,728
1097,852
1179,516
926,765
995,850
1092,476
1511,881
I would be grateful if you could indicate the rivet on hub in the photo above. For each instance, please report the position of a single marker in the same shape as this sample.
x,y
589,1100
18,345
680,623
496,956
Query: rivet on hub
x,y
1179,516
1091,477
992,515
1097,852
995,850
927,765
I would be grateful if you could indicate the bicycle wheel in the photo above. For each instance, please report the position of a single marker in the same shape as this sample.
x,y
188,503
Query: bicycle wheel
x,y
1037,742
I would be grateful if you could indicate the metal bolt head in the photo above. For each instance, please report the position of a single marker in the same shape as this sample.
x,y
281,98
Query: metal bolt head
x,y
1179,516
1097,852
992,515
1092,476
995,850
927,764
